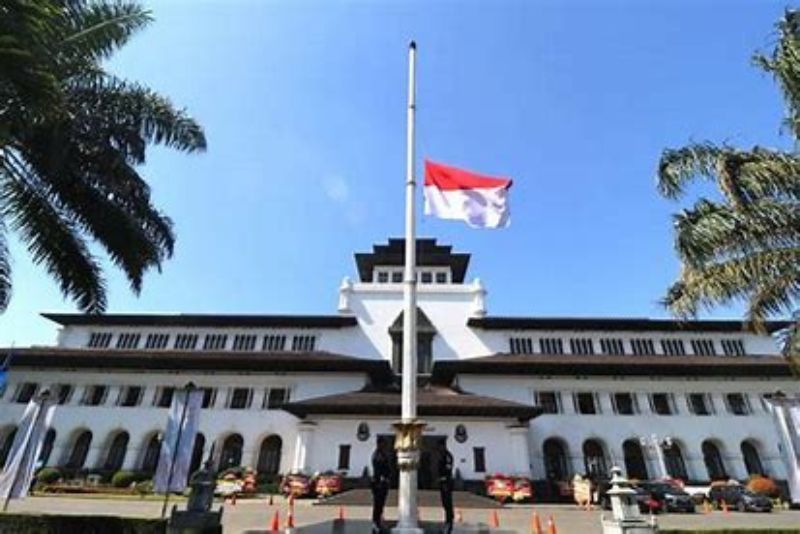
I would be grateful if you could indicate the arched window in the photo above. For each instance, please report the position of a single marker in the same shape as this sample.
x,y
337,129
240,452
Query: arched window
x,y
47,446
8,440
80,450
231,455
116,452
555,459
594,459
635,465
676,467
713,461
151,452
269,457
197,453
752,461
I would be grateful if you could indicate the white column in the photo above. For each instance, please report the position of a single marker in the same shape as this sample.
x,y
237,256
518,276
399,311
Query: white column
x,y
520,459
305,433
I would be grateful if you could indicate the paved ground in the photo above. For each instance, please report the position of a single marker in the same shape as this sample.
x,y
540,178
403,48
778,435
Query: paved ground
x,y
257,514
425,498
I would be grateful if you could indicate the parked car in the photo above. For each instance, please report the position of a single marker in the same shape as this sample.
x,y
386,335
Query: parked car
x,y
648,503
740,498
671,497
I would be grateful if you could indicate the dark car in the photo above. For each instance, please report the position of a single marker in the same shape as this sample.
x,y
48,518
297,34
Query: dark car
x,y
671,497
646,500
740,498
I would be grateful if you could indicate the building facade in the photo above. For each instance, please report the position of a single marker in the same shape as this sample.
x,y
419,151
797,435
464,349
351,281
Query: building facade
x,y
537,396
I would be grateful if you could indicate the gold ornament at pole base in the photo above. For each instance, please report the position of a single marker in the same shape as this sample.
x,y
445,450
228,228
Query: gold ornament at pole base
x,y
406,443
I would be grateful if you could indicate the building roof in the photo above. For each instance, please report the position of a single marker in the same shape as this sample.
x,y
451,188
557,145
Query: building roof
x,y
612,365
429,254
202,320
615,324
431,401
182,360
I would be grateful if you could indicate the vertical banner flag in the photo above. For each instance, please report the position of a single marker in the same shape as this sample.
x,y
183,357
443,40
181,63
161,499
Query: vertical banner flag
x,y
17,474
4,374
787,417
480,201
178,441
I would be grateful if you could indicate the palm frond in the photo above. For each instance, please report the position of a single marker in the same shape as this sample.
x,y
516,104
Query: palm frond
x,y
5,269
92,31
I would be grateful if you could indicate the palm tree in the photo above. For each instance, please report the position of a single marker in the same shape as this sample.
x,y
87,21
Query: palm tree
x,y
744,247
71,138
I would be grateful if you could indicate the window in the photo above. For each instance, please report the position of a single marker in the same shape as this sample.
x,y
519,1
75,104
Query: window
x,y
426,277
244,342
703,347
240,398
128,341
80,449
397,277
303,343
186,341
737,404
581,346
164,396
116,453
441,278
156,341
130,396
344,457
643,347
63,393
700,404
269,455
25,392
673,347
733,347
94,395
479,459
594,459
383,277
612,346
713,460
585,403
273,342
555,459
633,457
551,345
673,458
548,401
661,404
209,396
624,403
215,342
752,460
99,340
275,398
231,455
521,345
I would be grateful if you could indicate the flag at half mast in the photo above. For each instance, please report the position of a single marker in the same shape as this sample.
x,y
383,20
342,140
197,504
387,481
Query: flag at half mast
x,y
452,193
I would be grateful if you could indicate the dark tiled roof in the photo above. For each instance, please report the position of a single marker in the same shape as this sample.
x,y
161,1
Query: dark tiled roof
x,y
187,320
615,324
198,360
431,401
428,254
609,365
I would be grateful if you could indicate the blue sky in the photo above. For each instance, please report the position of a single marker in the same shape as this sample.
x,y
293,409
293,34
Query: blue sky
x,y
304,107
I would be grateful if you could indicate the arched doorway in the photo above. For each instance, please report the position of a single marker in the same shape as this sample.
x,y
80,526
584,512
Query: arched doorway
x,y
80,450
197,453
269,456
116,452
752,460
5,448
556,465
676,466
594,459
635,465
713,460
47,446
231,455
151,453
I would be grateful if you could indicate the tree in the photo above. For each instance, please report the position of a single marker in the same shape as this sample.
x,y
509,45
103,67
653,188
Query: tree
x,y
71,138
744,247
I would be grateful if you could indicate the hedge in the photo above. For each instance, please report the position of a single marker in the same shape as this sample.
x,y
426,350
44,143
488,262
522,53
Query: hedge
x,y
731,531
79,524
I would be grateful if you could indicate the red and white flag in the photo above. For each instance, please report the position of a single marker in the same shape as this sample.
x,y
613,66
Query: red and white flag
x,y
480,201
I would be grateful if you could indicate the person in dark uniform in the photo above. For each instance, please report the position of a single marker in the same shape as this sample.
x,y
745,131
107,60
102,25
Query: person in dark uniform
x,y
381,477
444,471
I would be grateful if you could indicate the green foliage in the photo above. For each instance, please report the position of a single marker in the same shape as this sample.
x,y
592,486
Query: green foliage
x,y
746,246
45,524
124,479
48,475
71,138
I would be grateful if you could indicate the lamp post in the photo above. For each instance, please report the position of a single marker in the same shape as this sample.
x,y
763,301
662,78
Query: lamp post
x,y
658,445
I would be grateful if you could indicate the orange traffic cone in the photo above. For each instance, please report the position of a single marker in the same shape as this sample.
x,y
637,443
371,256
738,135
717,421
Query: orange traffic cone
x,y
495,522
290,518
341,513
275,527
551,526
459,516
536,524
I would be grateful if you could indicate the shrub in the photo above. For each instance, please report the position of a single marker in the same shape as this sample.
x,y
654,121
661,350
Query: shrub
x,y
48,475
35,524
124,479
144,487
764,486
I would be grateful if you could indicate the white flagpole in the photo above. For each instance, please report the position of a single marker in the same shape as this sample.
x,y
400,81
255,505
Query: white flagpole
x,y
409,428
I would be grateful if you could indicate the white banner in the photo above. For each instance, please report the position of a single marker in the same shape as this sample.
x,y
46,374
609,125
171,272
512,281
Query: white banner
x,y
16,477
787,417
185,406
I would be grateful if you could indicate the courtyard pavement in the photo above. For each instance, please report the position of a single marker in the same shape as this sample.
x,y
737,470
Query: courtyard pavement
x,y
256,514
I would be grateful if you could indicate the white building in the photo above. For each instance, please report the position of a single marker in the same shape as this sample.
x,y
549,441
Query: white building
x,y
539,396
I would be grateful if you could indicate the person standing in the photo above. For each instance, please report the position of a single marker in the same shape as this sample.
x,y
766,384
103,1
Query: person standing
x,y
444,470
381,477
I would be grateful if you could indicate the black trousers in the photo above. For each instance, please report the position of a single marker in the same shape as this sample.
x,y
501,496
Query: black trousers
x,y
446,492
379,492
